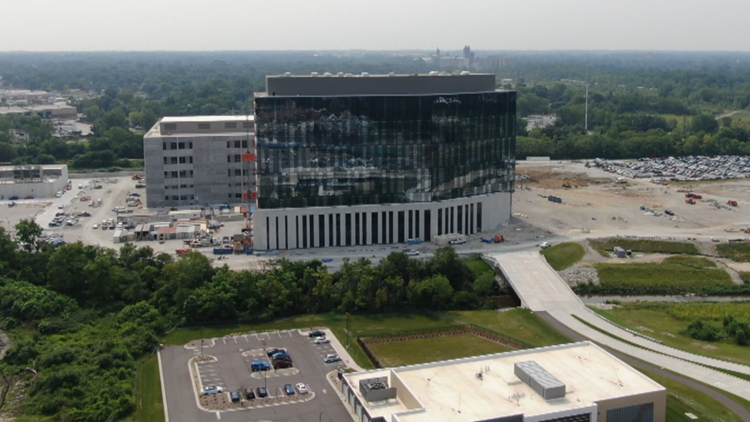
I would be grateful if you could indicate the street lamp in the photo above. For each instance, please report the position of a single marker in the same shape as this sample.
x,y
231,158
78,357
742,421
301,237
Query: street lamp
x,y
320,417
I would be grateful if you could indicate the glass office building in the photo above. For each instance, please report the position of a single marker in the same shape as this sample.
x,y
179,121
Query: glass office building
x,y
358,148
333,151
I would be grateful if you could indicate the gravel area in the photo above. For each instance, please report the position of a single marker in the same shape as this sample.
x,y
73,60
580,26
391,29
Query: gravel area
x,y
581,275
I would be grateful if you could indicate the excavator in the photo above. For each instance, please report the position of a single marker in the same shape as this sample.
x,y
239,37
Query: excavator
x,y
574,183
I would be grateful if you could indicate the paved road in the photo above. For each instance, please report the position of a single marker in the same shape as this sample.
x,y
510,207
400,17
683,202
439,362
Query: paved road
x,y
541,289
732,405
232,372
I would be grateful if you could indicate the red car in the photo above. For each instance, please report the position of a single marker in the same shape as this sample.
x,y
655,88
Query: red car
x,y
29,197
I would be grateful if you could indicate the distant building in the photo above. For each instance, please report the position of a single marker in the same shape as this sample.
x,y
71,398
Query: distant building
x,y
199,160
45,111
541,121
37,181
578,382
19,136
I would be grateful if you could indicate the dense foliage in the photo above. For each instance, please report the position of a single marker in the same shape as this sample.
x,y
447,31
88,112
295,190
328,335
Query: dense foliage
x,y
82,317
638,107
732,331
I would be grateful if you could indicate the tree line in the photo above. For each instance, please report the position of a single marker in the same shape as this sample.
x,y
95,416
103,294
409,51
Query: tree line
x,y
80,317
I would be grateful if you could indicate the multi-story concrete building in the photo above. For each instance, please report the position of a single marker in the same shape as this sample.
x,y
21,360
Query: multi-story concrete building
x,y
374,159
199,160
577,382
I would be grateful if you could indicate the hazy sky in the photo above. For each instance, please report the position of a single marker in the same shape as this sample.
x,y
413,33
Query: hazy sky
x,y
86,25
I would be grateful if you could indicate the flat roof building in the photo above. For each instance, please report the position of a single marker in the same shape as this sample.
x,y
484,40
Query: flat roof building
x,y
346,160
45,111
32,181
577,382
199,160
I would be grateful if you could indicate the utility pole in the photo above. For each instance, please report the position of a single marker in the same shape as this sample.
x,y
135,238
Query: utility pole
x,y
586,123
201,341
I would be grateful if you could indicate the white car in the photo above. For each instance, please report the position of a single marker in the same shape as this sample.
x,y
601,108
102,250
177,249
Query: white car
x,y
332,359
321,340
211,390
457,242
302,388
95,226
545,245
412,252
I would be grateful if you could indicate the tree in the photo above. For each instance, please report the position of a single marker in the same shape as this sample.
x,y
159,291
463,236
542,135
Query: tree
x,y
704,123
28,233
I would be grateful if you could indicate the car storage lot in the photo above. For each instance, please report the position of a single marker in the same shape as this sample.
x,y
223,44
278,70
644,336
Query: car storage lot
x,y
232,371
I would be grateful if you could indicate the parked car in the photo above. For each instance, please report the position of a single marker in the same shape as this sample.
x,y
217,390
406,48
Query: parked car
x,y
274,351
457,241
282,364
95,226
211,390
13,198
332,359
545,245
249,394
321,340
29,197
289,389
54,224
281,355
234,396
140,186
262,392
260,366
135,194
412,252
317,334
302,388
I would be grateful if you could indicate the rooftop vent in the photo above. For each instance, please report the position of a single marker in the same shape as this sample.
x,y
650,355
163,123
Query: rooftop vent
x,y
348,75
365,74
391,74
541,381
340,74
314,74
327,74
434,72
376,389
288,74
465,72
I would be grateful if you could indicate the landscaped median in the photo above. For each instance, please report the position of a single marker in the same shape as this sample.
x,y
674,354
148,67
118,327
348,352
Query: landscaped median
x,y
564,255
643,245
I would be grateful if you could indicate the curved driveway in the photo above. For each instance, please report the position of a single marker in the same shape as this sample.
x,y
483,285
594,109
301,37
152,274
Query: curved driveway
x,y
541,289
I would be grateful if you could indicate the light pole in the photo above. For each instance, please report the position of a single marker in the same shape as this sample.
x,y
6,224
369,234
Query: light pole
x,y
320,417
586,121
201,341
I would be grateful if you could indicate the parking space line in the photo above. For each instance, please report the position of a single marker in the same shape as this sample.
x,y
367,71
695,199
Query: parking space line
x,y
218,415
235,340
246,338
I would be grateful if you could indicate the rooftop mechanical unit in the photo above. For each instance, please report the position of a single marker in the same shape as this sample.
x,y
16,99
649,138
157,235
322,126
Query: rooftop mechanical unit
x,y
541,381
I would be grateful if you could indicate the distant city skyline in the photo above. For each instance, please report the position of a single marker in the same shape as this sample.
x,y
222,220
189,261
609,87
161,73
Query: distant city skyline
x,y
219,25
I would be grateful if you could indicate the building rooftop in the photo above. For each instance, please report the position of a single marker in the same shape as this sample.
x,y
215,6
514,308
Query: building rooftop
x,y
455,391
342,84
206,119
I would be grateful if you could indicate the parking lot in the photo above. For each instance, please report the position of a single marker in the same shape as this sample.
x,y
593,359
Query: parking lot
x,y
231,370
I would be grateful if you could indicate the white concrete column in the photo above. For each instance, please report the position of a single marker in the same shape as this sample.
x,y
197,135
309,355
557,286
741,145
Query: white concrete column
x,y
282,233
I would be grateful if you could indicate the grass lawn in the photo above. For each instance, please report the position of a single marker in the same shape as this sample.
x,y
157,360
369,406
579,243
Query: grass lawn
x,y
670,277
518,323
564,255
739,252
478,266
149,406
681,400
413,352
665,321
741,119
691,261
643,245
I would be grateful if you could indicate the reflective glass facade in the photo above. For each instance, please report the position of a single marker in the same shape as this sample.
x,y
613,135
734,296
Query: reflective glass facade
x,y
356,150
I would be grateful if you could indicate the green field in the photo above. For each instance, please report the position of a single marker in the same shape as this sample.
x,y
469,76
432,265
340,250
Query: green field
x,y
738,252
665,322
681,400
564,255
741,119
643,245
434,349
517,323
478,266
149,406
670,277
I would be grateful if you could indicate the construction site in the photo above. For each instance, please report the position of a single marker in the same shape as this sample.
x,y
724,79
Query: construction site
x,y
568,198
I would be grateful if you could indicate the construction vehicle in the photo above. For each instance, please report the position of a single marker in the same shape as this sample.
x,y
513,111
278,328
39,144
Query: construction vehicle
x,y
693,195
574,183
732,203
499,239
137,177
690,201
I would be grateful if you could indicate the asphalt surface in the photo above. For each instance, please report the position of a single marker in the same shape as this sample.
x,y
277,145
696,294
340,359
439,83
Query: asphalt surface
x,y
232,371
732,405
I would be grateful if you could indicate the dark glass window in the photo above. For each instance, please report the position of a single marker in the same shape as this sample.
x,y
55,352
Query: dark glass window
x,y
304,231
479,216
338,229
364,228
375,232
401,227
322,230
331,230
427,228
390,227
440,221
460,220
312,230
348,229
383,149
416,224
356,229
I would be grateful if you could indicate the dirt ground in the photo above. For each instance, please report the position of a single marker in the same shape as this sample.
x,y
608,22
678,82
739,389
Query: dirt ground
x,y
599,207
